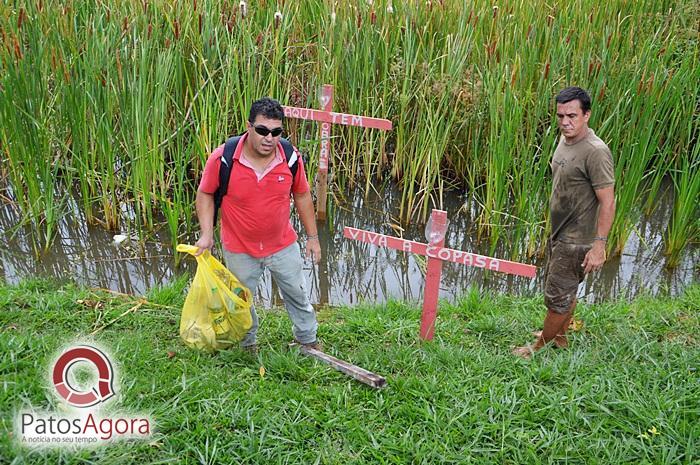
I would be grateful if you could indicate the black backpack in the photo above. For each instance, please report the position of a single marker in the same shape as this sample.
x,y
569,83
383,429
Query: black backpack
x,y
227,163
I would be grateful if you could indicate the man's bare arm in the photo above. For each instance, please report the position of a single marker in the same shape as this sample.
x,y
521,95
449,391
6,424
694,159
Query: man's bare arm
x,y
606,214
305,207
204,203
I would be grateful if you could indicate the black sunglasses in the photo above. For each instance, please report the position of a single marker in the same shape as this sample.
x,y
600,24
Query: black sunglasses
x,y
264,131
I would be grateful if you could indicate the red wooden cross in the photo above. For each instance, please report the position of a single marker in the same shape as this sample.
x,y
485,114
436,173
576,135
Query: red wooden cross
x,y
436,254
327,117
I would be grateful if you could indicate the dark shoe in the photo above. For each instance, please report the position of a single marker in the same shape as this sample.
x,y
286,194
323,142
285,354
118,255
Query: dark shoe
x,y
251,349
316,345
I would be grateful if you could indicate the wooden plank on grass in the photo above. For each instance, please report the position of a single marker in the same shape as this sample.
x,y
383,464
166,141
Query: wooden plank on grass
x,y
360,374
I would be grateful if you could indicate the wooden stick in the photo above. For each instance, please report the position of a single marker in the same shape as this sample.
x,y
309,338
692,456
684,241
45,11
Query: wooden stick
x,y
360,374
132,309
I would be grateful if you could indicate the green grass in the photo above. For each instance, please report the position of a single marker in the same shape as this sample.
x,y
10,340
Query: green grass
x,y
627,391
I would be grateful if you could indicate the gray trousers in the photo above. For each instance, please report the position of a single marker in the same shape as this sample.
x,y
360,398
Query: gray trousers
x,y
286,269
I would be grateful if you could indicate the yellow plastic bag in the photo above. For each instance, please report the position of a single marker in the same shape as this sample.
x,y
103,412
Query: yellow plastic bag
x,y
216,314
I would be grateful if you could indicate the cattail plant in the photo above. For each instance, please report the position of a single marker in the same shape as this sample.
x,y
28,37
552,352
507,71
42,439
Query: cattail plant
x,y
278,19
128,98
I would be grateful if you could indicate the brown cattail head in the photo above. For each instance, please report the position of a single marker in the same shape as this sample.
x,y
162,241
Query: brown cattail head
x,y
259,39
373,17
194,5
150,30
201,20
640,86
359,20
66,73
176,27
18,50
278,19
20,18
546,71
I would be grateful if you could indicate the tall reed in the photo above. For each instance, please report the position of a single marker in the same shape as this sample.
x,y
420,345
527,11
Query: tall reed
x,y
123,101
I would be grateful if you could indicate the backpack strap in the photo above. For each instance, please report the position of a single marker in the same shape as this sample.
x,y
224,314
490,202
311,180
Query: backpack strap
x,y
290,155
225,173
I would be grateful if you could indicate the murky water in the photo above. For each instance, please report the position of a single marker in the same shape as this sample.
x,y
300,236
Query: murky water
x,y
351,271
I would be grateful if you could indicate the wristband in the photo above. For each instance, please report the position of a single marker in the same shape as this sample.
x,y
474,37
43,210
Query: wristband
x,y
313,236
601,238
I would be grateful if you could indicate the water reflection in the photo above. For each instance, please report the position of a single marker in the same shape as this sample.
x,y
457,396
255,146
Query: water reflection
x,y
86,255
351,272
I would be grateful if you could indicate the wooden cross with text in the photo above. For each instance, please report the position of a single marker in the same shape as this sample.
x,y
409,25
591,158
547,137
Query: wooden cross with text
x,y
436,254
327,117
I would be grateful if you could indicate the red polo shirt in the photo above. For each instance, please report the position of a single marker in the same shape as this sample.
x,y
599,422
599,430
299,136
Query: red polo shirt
x,y
255,213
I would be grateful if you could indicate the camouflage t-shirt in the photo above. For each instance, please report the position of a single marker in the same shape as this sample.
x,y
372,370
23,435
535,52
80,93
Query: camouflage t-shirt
x,y
577,170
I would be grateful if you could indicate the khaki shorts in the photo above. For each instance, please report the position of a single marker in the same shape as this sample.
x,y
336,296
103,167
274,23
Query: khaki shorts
x,y
563,274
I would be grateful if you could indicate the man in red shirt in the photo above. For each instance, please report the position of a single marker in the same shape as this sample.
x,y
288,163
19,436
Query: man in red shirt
x,y
256,231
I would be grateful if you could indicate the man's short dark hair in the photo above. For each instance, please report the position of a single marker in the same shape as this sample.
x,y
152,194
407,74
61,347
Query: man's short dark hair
x,y
575,93
268,107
